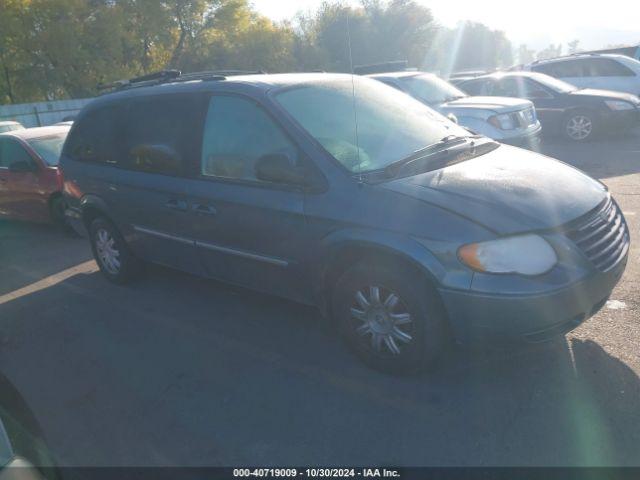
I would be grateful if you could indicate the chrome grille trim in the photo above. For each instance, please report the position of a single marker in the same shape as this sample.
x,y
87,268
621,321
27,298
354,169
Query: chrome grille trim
x,y
603,237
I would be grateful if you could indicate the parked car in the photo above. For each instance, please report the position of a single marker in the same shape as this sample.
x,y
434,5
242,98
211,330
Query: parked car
x,y
457,77
508,120
10,126
24,453
406,229
578,114
607,71
30,181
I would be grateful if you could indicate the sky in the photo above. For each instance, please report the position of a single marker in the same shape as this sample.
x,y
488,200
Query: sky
x,y
536,22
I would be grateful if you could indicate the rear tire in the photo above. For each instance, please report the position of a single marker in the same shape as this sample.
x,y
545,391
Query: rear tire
x,y
57,207
111,252
392,319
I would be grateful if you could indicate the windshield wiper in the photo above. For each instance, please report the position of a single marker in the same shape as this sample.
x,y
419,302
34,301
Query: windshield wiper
x,y
439,147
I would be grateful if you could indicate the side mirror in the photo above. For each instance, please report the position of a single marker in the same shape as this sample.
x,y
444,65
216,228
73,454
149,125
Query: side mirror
x,y
278,168
21,166
155,159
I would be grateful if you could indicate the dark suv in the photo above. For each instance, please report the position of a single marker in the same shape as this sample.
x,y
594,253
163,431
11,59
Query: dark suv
x,y
393,220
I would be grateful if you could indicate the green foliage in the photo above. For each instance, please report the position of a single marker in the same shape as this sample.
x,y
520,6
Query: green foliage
x,y
551,51
52,49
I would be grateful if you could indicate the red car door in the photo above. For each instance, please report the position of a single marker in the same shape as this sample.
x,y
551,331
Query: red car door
x,y
4,188
21,192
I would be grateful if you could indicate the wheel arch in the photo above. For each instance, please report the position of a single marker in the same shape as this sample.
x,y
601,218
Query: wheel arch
x,y
342,251
92,207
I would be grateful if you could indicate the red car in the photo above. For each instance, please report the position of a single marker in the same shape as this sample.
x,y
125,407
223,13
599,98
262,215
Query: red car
x,y
30,181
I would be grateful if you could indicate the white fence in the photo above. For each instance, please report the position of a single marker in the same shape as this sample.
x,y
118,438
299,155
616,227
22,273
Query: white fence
x,y
42,113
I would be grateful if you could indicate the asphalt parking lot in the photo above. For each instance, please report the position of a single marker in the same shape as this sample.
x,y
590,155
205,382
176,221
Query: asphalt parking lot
x,y
175,370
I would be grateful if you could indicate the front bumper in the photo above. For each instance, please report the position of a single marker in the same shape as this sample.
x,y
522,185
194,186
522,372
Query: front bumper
x,y
478,317
620,120
530,138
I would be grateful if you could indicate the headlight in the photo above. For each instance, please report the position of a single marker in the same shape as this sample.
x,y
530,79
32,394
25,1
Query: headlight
x,y
619,105
502,121
524,254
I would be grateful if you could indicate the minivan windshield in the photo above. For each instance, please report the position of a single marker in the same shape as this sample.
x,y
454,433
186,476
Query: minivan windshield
x,y
49,148
431,89
390,124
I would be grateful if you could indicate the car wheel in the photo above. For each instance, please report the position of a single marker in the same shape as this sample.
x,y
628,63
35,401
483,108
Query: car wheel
x,y
579,126
392,320
57,208
111,252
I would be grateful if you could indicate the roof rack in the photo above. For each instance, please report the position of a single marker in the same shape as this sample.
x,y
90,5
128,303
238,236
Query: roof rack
x,y
395,66
569,55
172,76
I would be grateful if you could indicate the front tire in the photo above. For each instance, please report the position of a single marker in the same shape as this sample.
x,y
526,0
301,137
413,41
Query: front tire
x,y
112,253
391,318
579,126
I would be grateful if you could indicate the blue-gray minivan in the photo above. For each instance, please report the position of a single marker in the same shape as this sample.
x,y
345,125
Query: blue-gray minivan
x,y
344,193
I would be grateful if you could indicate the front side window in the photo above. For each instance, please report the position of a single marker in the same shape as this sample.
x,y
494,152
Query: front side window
x,y
390,124
237,134
520,87
49,148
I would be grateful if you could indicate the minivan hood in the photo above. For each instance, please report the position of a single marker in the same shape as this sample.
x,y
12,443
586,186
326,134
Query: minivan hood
x,y
606,95
496,104
508,190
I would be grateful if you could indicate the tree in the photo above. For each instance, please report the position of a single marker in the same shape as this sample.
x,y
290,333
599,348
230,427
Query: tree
x,y
525,54
471,46
573,46
551,51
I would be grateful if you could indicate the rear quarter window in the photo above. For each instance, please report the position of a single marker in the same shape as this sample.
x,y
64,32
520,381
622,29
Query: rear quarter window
x,y
606,67
95,136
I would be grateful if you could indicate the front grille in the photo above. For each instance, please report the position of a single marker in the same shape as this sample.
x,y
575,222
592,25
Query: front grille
x,y
603,237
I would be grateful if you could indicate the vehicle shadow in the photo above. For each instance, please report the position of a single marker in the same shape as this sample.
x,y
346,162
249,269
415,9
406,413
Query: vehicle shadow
x,y
611,156
25,256
175,370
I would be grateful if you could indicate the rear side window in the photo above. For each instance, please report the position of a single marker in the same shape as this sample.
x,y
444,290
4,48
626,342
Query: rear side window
x,y
605,67
12,152
478,87
562,69
161,134
95,136
237,134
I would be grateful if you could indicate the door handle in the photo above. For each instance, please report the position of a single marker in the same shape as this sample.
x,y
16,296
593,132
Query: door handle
x,y
176,204
203,209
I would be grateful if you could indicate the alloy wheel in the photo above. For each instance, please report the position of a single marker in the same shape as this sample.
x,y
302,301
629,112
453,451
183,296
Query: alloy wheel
x,y
579,127
107,252
382,320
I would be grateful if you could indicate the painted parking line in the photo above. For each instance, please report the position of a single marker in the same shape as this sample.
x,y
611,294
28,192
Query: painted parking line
x,y
83,268
616,305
